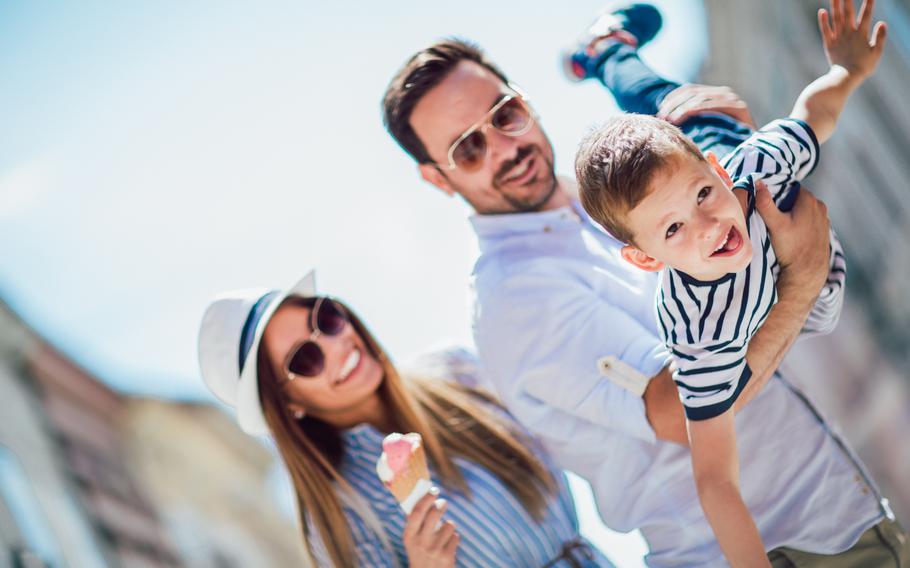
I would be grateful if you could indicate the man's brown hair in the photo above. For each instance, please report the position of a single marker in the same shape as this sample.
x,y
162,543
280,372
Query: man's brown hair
x,y
616,162
423,71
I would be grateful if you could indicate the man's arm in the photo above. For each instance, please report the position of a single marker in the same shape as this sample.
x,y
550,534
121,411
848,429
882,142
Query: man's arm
x,y
853,58
541,334
664,410
800,241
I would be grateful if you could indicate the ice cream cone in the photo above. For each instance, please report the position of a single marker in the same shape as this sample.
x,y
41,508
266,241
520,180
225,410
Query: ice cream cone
x,y
402,467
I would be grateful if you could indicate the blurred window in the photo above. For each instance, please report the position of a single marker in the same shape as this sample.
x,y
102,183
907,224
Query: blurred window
x,y
37,546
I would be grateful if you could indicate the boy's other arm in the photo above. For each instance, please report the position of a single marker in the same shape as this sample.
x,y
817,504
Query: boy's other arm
x,y
852,56
800,241
715,465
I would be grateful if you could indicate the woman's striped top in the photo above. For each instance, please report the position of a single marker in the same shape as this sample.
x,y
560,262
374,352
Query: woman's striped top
x,y
495,528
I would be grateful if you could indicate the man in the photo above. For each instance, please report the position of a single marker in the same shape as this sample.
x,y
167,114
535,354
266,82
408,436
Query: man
x,y
566,330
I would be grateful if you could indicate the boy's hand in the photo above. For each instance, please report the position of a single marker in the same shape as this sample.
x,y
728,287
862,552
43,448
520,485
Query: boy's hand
x,y
846,37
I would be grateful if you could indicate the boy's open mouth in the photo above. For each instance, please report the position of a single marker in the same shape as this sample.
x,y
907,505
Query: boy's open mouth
x,y
729,245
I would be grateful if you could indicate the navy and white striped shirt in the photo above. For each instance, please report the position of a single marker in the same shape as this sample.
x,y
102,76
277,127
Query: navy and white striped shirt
x,y
495,528
707,325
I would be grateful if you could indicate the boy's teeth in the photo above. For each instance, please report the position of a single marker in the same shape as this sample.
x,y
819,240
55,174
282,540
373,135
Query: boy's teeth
x,y
723,244
349,364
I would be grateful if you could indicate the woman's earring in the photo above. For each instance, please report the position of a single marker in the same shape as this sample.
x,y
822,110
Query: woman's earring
x,y
298,414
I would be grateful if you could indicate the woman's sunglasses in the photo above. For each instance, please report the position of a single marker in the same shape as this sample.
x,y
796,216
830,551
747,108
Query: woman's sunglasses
x,y
511,116
306,359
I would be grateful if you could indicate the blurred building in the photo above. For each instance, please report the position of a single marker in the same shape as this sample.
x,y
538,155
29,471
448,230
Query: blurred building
x,y
92,478
83,418
210,483
860,375
42,518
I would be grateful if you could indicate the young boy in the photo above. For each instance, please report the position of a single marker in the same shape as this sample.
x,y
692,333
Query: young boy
x,y
648,185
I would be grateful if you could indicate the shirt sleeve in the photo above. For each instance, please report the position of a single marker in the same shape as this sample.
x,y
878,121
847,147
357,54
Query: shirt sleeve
x,y
781,153
826,312
540,336
708,344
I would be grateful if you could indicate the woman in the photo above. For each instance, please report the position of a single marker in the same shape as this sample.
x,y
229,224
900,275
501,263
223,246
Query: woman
x,y
306,370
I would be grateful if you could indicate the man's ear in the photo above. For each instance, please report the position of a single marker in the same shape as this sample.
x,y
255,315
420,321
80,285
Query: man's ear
x,y
718,169
640,259
432,174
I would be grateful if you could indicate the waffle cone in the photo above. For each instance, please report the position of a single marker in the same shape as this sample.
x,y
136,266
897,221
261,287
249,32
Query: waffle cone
x,y
403,484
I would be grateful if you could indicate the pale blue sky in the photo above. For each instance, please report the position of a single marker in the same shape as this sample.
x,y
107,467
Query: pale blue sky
x,y
153,155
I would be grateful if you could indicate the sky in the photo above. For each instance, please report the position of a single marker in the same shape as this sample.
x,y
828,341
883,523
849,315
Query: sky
x,y
155,154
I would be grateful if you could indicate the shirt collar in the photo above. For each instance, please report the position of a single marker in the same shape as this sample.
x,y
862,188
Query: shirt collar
x,y
489,227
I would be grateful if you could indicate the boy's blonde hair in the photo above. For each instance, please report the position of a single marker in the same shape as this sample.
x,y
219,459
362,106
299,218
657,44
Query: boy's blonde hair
x,y
616,162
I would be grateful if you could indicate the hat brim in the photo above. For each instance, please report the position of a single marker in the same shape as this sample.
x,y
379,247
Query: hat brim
x,y
249,406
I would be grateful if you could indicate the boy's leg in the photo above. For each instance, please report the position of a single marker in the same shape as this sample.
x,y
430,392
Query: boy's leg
x,y
612,58
634,85
638,88
608,51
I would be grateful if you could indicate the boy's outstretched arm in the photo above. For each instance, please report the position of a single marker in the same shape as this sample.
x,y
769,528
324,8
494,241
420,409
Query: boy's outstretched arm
x,y
852,56
715,465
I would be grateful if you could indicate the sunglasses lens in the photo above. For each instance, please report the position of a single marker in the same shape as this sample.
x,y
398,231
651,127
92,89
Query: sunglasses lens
x,y
308,361
331,318
470,152
513,116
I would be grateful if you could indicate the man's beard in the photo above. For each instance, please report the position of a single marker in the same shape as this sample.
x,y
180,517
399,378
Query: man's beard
x,y
532,203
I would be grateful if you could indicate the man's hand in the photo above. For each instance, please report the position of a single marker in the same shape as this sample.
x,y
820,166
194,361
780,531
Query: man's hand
x,y
799,238
690,100
663,409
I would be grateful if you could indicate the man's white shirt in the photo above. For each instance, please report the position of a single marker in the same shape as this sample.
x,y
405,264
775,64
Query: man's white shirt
x,y
553,301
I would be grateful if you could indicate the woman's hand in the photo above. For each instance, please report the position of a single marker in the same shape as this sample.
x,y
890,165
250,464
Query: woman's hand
x,y
428,540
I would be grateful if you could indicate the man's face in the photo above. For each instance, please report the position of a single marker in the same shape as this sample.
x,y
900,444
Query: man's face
x,y
517,173
691,220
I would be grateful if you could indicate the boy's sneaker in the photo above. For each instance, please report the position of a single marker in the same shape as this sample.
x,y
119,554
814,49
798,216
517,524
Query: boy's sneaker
x,y
634,25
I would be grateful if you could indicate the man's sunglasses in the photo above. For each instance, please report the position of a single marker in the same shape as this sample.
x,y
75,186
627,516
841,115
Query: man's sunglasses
x,y
306,359
511,116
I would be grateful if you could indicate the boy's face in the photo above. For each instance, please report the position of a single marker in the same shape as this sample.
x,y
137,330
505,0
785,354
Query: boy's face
x,y
690,220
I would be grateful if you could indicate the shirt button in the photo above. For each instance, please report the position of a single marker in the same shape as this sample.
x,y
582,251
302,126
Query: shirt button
x,y
547,229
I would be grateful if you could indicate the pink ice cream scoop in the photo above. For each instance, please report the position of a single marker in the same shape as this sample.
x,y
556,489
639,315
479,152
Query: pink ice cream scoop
x,y
398,452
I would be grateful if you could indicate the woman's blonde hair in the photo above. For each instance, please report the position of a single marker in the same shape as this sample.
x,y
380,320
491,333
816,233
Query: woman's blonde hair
x,y
446,415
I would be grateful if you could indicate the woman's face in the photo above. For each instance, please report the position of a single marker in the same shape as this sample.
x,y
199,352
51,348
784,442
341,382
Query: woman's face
x,y
345,392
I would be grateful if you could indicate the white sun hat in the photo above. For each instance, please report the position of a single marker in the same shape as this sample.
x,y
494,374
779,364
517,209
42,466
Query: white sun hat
x,y
228,345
